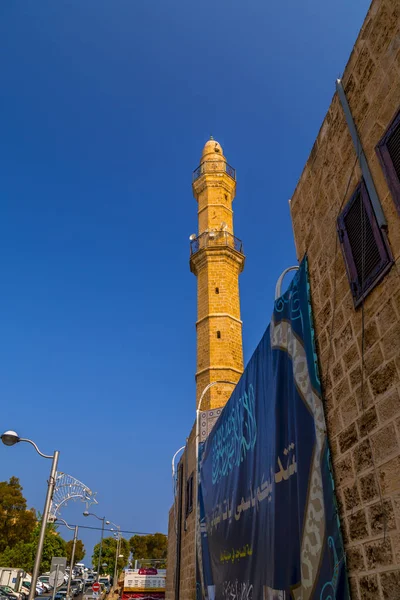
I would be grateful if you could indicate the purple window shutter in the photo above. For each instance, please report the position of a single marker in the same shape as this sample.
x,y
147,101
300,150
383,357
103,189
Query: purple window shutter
x,y
365,249
388,151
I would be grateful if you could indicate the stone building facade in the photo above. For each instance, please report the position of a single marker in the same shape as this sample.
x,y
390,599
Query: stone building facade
x,y
352,240
358,331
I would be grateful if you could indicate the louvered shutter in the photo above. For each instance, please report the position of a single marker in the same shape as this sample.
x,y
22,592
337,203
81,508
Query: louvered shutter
x,y
366,253
393,146
189,495
388,151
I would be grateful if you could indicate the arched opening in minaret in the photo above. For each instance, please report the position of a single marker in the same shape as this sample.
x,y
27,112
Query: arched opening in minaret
x,y
218,334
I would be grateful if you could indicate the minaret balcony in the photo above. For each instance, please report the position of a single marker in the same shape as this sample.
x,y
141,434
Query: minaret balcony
x,y
215,239
214,166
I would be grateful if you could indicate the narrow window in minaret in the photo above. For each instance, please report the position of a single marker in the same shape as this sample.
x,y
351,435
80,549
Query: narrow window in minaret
x,y
217,290
218,334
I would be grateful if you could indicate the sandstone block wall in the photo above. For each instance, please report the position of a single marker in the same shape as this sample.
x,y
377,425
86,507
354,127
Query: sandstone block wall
x,y
362,401
188,566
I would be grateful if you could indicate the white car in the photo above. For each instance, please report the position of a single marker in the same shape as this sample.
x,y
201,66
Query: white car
x,y
43,580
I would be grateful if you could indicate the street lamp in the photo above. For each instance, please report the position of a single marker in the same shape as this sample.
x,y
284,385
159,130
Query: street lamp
x,y
75,530
103,520
173,468
203,393
118,538
9,438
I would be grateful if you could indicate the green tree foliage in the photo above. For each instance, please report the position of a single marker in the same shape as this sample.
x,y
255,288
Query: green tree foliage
x,y
108,554
54,545
19,531
79,551
22,554
17,523
149,547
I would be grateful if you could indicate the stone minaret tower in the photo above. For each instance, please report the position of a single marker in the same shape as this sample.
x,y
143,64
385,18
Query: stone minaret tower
x,y
216,258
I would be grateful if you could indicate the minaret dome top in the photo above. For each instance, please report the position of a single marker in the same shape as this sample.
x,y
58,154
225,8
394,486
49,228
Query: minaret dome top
x,y
212,150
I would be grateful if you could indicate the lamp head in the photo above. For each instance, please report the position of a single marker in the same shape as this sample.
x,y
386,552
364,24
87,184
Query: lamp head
x,y
9,438
107,522
86,513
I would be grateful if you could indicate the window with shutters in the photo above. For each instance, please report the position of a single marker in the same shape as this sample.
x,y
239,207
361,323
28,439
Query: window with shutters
x,y
388,151
365,248
189,495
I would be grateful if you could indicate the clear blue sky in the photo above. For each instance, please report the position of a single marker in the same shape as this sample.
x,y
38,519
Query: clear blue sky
x,y
105,106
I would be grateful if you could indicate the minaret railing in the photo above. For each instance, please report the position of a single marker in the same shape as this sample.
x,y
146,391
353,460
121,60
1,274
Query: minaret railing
x,y
214,166
210,239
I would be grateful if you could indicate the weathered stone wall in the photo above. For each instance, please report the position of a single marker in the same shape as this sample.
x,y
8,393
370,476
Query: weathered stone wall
x,y
362,402
187,568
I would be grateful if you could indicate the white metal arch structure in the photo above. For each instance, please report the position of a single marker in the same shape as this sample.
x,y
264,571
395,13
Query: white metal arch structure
x,y
68,488
278,288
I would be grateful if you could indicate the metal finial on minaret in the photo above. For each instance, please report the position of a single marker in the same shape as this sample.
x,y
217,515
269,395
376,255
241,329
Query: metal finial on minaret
x,y
211,137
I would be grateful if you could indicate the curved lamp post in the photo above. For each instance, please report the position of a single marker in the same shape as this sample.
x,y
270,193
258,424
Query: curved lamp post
x,y
75,530
278,287
203,393
173,467
10,438
103,520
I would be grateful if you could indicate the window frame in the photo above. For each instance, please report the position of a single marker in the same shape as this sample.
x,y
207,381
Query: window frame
x,y
392,179
358,293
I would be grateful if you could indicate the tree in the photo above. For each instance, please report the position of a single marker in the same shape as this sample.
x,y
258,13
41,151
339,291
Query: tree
x,y
79,551
17,523
150,547
20,528
22,555
54,545
108,553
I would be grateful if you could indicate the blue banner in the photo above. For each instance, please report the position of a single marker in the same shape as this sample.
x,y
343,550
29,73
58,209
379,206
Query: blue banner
x,y
268,519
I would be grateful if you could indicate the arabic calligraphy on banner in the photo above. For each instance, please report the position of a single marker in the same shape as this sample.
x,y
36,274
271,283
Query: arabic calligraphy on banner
x,y
235,555
268,523
263,491
236,437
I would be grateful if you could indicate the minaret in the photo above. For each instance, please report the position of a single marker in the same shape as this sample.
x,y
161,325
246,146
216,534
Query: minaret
x,y
216,258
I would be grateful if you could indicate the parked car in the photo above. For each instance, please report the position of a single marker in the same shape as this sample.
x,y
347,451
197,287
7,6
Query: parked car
x,y
26,587
90,595
75,590
79,583
45,580
5,589
61,593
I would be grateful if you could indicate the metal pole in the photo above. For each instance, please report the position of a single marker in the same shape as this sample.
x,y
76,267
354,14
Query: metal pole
x,y
55,582
369,182
100,549
71,564
116,560
278,287
38,558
